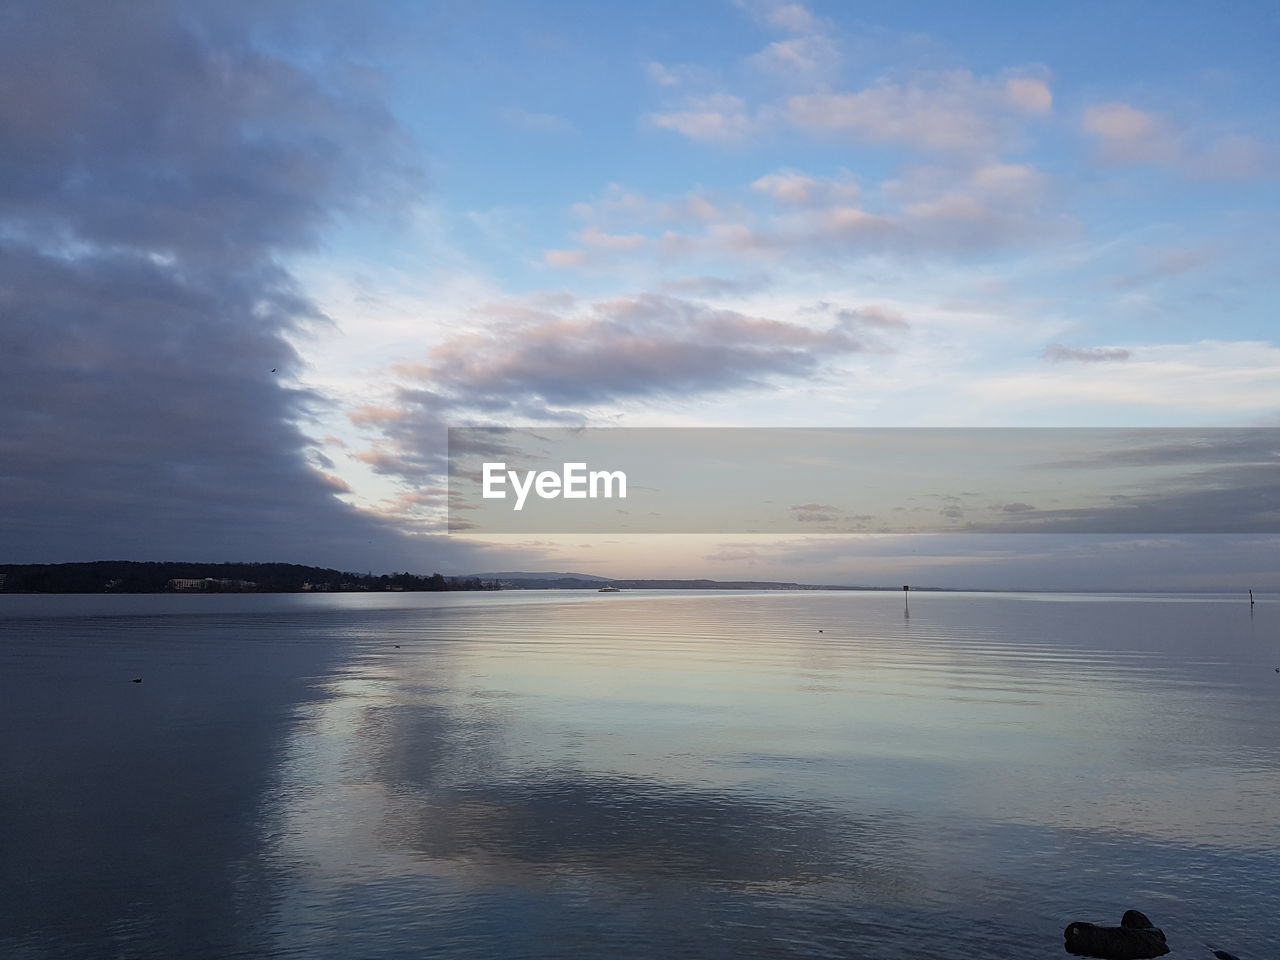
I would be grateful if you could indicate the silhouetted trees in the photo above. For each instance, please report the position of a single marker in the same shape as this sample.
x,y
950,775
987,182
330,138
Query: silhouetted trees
x,y
127,576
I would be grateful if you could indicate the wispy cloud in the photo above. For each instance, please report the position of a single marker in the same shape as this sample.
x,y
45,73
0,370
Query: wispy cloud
x,y
926,209
715,117
1124,135
953,112
1217,376
794,188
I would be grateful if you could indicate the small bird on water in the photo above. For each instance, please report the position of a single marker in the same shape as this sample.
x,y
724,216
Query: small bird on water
x,y
137,680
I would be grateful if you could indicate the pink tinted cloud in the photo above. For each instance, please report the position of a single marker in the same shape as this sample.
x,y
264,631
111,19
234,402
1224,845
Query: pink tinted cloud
x,y
543,365
630,347
715,117
1124,135
953,112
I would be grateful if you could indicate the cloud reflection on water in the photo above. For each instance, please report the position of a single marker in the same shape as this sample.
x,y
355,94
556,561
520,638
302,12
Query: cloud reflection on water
x,y
965,780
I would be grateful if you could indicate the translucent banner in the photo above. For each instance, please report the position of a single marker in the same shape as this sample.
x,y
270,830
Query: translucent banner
x,y
893,480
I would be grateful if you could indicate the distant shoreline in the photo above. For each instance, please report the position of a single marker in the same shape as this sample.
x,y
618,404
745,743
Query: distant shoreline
x,y
181,577
139,577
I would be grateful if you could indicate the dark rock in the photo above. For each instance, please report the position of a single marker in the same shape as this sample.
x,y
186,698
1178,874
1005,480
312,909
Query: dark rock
x,y
1223,955
1136,920
1134,939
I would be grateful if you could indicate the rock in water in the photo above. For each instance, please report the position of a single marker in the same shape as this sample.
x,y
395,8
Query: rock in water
x,y
1136,920
1134,939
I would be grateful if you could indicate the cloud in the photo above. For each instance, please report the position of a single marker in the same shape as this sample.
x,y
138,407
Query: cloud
x,y
925,209
1125,135
870,316
713,286
1015,507
1188,446
599,240
940,112
159,166
1163,263
953,112
717,117
1057,353
1007,186
619,208
677,74
155,139
1239,499
944,211
792,16
552,366
815,513
801,60
565,258
1209,375
1235,157
661,74
793,188
639,346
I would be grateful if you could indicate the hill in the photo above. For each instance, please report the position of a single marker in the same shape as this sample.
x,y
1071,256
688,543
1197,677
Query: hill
x,y
585,577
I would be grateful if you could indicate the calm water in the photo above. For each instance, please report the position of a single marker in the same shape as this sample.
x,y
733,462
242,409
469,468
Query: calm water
x,y
634,775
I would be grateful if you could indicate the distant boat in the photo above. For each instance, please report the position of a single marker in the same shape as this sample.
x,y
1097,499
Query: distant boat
x,y
608,589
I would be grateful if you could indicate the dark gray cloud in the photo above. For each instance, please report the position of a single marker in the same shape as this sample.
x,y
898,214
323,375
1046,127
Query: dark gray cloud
x,y
1198,481
540,365
157,162
1179,446
160,128
1242,499
642,346
1057,353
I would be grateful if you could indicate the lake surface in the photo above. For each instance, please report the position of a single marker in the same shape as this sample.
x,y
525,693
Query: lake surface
x,y
644,774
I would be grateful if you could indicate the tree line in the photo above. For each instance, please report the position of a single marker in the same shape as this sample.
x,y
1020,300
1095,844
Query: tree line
x,y
127,576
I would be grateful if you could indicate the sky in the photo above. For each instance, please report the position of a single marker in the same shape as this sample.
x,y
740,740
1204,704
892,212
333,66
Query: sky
x,y
256,258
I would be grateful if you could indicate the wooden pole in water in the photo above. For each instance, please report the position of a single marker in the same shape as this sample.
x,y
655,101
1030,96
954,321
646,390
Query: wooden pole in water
x,y
906,608
1251,598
